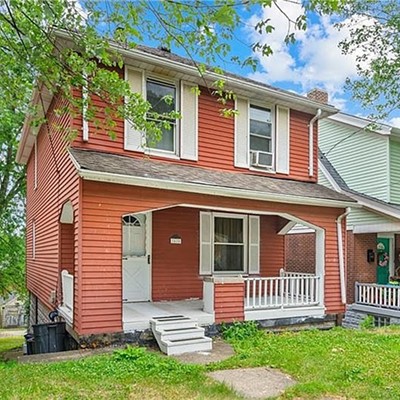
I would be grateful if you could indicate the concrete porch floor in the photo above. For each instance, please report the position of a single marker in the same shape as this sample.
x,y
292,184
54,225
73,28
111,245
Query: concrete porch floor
x,y
136,316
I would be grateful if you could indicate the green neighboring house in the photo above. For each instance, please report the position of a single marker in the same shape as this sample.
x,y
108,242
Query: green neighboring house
x,y
362,160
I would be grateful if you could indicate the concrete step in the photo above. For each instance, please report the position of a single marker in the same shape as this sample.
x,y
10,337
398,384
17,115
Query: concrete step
x,y
177,334
172,347
181,333
168,322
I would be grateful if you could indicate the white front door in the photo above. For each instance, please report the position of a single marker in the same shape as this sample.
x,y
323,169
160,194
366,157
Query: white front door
x,y
136,244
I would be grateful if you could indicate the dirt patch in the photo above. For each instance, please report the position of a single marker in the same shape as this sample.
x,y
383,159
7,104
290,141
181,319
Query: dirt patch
x,y
220,351
254,383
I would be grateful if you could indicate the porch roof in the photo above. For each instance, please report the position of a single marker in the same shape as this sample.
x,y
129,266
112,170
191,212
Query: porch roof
x,y
106,167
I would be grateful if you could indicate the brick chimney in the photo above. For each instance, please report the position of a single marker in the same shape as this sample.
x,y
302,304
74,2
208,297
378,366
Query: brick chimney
x,y
318,95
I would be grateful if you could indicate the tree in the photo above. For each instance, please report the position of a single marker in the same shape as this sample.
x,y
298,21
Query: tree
x,y
375,40
32,56
12,191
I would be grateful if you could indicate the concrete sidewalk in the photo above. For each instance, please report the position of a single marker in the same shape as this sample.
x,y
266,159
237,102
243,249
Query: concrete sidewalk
x,y
12,332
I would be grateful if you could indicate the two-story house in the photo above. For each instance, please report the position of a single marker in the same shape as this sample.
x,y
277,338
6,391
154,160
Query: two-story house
x,y
362,160
118,233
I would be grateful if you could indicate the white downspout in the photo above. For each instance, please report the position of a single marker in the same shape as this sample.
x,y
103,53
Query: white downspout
x,y
341,256
311,142
85,122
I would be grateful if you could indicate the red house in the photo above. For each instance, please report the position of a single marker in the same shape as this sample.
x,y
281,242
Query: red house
x,y
195,225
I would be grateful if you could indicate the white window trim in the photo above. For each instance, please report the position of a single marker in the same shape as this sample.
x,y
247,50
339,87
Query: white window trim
x,y
172,82
272,108
244,218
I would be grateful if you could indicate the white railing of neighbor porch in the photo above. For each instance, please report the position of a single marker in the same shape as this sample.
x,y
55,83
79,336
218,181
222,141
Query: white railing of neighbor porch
x,y
371,294
67,281
280,292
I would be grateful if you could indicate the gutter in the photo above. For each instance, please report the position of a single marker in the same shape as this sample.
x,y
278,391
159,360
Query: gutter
x,y
311,142
206,189
341,255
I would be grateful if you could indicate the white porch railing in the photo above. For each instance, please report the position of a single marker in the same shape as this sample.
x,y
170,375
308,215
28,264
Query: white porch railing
x,y
67,281
384,296
281,292
283,273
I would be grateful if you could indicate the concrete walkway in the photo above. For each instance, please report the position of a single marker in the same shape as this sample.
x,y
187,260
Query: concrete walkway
x,y
254,383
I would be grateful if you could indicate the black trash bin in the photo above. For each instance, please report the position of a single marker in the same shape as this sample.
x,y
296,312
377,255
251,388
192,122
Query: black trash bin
x,y
30,343
49,338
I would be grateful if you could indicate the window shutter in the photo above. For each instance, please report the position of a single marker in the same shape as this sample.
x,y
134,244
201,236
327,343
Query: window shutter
x,y
205,243
134,139
254,244
189,121
242,134
282,147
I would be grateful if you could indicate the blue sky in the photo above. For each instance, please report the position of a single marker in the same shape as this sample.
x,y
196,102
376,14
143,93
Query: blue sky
x,y
314,61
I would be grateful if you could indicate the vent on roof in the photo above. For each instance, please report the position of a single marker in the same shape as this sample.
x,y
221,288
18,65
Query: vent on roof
x,y
164,48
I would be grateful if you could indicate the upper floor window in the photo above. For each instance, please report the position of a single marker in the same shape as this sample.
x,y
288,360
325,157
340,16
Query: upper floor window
x,y
261,146
162,97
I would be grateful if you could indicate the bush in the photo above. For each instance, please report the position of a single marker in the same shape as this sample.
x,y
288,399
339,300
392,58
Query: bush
x,y
239,330
368,322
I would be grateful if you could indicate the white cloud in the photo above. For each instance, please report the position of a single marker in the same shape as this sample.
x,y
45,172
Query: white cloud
x,y
395,122
315,61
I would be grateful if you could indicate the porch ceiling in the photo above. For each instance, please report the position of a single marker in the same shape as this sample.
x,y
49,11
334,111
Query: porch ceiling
x,y
107,167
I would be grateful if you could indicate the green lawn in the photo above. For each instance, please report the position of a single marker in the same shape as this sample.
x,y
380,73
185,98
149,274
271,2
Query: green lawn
x,y
354,365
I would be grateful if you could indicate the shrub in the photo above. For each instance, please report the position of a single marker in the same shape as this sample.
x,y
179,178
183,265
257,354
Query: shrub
x,y
239,330
368,322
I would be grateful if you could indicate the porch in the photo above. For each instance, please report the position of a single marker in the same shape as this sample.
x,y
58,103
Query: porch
x,y
291,294
383,300
236,298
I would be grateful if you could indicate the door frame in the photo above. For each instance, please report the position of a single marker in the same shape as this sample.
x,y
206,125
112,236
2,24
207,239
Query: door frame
x,y
149,255
391,238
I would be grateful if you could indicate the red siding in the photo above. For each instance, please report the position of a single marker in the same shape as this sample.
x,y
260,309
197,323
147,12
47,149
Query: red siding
x,y
299,146
216,134
272,246
215,141
175,268
103,206
57,183
228,302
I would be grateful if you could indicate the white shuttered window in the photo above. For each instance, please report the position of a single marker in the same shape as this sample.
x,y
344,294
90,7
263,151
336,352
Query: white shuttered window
x,y
262,137
229,243
182,137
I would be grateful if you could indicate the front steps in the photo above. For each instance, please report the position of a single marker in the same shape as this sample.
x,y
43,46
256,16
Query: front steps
x,y
177,334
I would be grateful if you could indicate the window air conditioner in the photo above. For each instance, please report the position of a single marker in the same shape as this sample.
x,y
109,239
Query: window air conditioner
x,y
260,159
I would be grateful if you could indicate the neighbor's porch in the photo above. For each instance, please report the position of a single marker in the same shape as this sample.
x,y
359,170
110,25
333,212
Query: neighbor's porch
x,y
382,300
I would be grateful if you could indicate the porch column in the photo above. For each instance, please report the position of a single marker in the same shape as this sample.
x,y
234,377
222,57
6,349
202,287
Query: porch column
x,y
224,296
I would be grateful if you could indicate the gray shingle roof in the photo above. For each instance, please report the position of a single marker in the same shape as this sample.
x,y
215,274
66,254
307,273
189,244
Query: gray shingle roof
x,y
170,172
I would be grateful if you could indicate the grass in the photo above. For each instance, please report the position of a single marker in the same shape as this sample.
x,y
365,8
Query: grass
x,y
352,364
10,343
